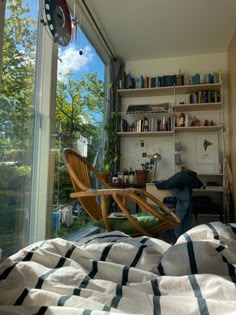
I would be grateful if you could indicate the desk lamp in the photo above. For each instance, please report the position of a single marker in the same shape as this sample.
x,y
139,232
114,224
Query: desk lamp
x,y
156,157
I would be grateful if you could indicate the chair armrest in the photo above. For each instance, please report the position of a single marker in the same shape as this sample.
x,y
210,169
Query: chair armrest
x,y
104,192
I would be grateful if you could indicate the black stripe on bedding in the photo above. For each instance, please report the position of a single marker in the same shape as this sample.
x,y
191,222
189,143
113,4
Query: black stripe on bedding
x,y
160,269
62,300
22,297
70,251
61,262
156,305
106,308
138,255
191,255
94,270
216,237
6,272
84,282
203,310
155,287
144,240
125,275
38,246
215,233
30,254
77,291
43,277
220,248
231,269
116,299
106,252
105,236
42,310
87,312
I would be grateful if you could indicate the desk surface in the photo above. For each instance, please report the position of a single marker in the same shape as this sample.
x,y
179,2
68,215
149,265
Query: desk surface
x,y
127,185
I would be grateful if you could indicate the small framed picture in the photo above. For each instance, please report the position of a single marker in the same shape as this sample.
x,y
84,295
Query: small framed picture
x,y
207,149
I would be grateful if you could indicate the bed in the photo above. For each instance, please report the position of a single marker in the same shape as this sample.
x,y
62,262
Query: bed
x,y
110,273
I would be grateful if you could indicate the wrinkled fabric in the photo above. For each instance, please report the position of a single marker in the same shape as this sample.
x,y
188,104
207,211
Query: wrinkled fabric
x,y
181,185
112,273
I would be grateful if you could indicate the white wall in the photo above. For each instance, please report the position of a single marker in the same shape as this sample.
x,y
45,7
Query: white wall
x,y
130,146
232,111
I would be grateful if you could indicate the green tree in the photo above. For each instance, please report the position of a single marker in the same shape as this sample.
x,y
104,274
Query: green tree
x,y
18,72
79,111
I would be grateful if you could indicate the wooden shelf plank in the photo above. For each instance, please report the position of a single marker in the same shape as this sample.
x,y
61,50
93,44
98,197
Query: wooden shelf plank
x,y
210,174
196,107
199,128
210,188
168,90
146,134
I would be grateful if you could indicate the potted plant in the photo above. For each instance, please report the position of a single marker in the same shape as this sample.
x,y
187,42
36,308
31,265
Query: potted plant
x,y
142,175
111,148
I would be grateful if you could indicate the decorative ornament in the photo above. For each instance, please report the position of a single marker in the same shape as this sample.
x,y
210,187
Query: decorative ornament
x,y
58,20
76,26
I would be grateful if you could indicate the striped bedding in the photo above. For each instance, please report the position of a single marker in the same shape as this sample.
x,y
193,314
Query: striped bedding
x,y
111,273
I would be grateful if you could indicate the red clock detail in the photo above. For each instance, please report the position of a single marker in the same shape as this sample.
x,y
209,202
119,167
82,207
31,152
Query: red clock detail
x,y
58,20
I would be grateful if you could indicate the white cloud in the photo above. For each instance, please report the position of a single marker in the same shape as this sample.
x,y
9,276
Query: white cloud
x,y
71,60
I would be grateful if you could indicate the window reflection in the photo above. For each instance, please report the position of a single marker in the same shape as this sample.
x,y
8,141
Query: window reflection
x,y
79,125
16,123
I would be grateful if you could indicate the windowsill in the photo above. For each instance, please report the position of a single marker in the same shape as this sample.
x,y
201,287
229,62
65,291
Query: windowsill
x,y
83,232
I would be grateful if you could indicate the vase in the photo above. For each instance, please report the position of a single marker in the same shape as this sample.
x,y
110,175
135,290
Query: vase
x,y
141,176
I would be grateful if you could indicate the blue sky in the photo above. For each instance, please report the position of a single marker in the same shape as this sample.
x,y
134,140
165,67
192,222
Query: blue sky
x,y
70,58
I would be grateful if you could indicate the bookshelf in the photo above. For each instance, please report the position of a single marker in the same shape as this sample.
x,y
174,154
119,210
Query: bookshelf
x,y
167,90
203,101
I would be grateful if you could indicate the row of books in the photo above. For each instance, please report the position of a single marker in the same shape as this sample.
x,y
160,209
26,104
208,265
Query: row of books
x,y
209,78
152,82
147,124
205,97
130,82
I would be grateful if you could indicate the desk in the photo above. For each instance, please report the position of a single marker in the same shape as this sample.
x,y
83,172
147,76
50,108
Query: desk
x,y
127,185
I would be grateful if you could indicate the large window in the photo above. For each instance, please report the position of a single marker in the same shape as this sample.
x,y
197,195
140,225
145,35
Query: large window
x,y
16,122
79,124
46,90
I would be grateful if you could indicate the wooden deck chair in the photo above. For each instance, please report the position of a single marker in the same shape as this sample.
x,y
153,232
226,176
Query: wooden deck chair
x,y
149,222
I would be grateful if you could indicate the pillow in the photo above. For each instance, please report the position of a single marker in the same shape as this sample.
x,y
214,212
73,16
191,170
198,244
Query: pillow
x,y
147,221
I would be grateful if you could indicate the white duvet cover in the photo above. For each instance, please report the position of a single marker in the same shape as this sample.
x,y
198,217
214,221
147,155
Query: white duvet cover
x,y
112,273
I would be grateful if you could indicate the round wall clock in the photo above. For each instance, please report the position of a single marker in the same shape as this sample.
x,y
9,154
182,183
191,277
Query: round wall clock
x,y
58,20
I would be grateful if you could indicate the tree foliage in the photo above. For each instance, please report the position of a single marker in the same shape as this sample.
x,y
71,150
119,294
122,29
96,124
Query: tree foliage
x,y
17,81
79,110
79,102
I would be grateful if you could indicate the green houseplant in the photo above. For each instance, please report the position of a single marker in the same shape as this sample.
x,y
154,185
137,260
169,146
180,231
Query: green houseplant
x,y
111,147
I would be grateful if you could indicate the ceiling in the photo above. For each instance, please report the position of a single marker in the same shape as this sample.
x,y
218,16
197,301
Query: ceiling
x,y
150,29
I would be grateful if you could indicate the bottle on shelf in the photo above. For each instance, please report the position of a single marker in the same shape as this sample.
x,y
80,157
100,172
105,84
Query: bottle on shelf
x,y
131,176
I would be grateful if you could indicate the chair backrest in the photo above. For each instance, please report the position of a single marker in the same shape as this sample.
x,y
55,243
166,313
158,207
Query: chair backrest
x,y
79,169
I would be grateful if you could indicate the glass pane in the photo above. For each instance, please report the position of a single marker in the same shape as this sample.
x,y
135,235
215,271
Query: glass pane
x,y
79,120
16,123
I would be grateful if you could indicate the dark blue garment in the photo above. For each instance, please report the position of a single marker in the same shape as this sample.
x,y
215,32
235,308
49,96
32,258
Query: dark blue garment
x,y
180,180
181,185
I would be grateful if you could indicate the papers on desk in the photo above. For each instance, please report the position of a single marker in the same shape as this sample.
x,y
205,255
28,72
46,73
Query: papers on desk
x,y
210,188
